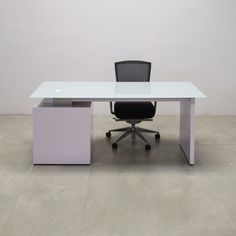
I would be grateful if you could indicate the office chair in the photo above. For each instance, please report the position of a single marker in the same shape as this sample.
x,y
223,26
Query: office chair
x,y
133,112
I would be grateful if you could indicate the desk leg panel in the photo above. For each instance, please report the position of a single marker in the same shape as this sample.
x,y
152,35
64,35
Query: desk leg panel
x,y
187,113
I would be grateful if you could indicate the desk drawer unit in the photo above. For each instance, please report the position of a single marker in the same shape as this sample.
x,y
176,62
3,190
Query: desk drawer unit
x,y
62,134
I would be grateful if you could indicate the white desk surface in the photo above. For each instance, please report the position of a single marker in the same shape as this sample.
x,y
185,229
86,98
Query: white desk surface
x,y
107,91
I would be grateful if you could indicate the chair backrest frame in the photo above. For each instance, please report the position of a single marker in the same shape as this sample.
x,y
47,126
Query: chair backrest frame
x,y
132,63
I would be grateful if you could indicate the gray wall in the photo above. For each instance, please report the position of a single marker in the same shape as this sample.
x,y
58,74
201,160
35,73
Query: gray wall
x,y
80,40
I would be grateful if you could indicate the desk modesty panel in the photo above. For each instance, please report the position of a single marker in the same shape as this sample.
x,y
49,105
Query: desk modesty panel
x,y
117,91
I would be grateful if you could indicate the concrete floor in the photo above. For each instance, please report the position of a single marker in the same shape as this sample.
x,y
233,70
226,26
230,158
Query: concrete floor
x,y
126,192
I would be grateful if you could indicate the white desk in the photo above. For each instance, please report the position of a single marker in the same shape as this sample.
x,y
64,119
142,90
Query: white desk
x,y
63,93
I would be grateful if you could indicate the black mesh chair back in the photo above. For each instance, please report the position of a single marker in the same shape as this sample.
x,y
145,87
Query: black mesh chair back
x,y
130,71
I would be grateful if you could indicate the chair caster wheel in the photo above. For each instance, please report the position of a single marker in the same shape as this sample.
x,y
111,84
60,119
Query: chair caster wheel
x,y
108,134
147,147
157,136
114,145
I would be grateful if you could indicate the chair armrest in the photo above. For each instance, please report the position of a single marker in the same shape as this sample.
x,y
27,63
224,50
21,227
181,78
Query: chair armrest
x,y
111,108
155,105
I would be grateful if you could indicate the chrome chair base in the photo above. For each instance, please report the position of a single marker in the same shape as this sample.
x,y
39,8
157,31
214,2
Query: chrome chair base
x,y
134,131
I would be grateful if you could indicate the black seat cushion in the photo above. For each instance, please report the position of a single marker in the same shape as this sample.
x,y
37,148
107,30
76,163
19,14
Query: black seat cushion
x,y
134,110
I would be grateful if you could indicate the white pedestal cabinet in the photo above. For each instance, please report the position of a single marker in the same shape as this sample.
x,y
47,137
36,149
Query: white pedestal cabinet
x,y
62,133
